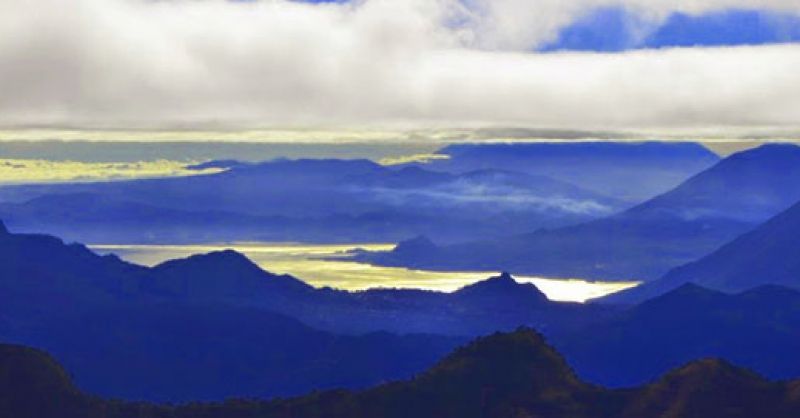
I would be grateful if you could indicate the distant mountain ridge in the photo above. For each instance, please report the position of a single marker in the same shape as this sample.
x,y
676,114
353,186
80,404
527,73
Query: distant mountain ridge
x,y
229,278
632,171
766,255
503,375
303,200
643,242
750,186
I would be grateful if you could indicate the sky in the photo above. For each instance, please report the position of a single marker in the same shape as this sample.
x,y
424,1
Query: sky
x,y
699,68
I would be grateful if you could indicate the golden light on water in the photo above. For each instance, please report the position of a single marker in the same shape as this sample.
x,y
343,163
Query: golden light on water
x,y
312,263
18,171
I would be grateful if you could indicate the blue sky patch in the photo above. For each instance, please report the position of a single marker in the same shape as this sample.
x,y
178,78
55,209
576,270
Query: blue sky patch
x,y
615,29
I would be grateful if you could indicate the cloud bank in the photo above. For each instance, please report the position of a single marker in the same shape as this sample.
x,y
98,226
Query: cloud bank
x,y
134,64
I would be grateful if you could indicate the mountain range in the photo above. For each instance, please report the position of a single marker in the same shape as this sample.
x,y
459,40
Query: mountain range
x,y
124,331
643,242
517,188
758,328
140,333
631,171
766,255
302,200
502,375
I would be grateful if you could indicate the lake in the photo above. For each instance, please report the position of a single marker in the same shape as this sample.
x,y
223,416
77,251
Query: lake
x,y
317,265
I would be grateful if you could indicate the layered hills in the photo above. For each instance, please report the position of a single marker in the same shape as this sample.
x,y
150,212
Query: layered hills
x,y
645,241
765,255
135,332
504,375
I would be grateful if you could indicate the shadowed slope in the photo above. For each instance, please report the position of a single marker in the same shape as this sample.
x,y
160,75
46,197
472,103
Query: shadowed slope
x,y
33,384
765,255
645,241
758,329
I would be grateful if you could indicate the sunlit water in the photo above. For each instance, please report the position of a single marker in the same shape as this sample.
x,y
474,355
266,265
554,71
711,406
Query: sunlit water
x,y
312,263
27,171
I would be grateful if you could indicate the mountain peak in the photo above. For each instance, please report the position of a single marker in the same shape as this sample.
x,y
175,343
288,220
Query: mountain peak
x,y
521,340
691,288
686,298
29,376
684,293
704,388
709,372
227,258
502,288
502,281
220,273
521,361
706,366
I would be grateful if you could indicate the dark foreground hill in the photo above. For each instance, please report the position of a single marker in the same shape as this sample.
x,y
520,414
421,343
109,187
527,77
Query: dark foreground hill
x,y
503,375
758,329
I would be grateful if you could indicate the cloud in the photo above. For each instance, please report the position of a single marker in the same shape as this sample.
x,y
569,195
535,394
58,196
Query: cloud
x,y
487,198
420,63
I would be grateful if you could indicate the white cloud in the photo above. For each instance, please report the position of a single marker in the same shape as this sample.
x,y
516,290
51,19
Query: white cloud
x,y
156,64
